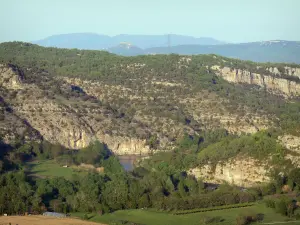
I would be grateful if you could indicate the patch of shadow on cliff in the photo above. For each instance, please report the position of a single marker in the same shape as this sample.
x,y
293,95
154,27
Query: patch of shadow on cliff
x,y
4,148
77,89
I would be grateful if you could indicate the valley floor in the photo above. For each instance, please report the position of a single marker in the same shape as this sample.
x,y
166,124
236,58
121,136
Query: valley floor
x,y
37,220
149,217
50,168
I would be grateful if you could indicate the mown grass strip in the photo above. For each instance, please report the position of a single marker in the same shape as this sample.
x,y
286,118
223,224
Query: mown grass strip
x,y
182,212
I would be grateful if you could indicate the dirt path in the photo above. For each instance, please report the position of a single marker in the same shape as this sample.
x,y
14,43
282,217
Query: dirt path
x,y
44,220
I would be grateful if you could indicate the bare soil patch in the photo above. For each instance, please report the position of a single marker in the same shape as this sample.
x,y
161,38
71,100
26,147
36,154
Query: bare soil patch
x,y
38,220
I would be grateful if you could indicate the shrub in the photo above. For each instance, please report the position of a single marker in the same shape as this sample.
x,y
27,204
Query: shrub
x,y
270,203
280,207
285,207
241,220
246,218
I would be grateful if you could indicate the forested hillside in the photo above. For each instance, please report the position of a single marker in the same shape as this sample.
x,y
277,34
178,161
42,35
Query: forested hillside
x,y
193,117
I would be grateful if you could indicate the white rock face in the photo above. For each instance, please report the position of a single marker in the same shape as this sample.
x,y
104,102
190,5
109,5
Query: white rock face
x,y
125,145
272,84
241,172
292,143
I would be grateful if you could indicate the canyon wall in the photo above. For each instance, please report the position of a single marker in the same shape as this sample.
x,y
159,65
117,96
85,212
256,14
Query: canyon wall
x,y
273,84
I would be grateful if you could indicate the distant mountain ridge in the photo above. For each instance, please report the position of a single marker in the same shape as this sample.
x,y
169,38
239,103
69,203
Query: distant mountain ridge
x,y
99,42
132,45
265,51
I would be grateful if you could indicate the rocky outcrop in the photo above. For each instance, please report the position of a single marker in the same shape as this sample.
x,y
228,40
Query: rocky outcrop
x,y
125,145
244,172
292,143
273,84
10,77
290,71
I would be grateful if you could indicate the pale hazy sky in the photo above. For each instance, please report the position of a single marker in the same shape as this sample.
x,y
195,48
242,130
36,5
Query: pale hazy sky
x,y
226,20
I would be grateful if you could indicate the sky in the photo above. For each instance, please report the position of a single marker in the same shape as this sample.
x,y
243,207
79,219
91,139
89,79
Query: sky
x,y
226,20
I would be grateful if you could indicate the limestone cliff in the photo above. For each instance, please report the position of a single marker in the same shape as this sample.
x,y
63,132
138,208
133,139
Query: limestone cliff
x,y
73,123
244,172
273,84
125,145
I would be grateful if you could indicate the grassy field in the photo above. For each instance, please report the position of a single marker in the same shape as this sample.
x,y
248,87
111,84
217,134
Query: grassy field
x,y
148,217
49,168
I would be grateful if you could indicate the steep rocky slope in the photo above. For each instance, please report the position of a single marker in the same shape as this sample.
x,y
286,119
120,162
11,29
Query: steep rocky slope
x,y
161,94
140,104
74,112
12,127
55,117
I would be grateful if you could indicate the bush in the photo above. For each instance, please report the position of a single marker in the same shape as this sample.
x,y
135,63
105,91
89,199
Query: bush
x,y
281,207
246,218
270,203
241,220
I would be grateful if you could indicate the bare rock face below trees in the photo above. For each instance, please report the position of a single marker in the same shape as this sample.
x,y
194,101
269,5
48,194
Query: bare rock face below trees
x,y
247,171
292,143
273,82
244,172
10,77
